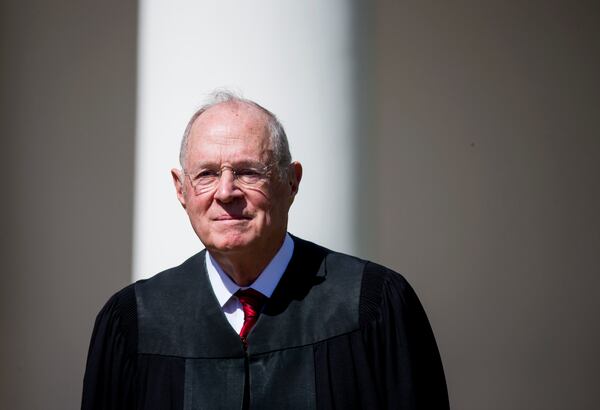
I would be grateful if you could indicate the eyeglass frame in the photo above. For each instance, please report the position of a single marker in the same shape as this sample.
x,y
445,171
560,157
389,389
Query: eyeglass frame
x,y
263,176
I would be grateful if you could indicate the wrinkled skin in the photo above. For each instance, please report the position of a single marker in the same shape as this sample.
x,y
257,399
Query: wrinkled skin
x,y
241,227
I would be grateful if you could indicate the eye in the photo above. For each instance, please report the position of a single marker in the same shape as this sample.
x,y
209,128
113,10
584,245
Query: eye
x,y
248,175
247,172
207,173
205,176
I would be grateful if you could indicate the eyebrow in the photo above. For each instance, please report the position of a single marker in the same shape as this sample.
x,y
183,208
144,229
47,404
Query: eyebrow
x,y
237,164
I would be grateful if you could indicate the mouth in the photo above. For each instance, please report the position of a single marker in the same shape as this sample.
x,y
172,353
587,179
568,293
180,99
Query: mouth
x,y
225,218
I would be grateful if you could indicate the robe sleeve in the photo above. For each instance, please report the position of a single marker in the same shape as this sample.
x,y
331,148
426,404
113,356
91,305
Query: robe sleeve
x,y
111,364
400,347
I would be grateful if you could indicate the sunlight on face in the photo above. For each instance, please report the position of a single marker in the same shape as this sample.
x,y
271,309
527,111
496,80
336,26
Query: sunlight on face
x,y
230,216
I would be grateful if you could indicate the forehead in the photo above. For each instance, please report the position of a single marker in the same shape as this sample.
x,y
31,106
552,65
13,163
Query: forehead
x,y
229,132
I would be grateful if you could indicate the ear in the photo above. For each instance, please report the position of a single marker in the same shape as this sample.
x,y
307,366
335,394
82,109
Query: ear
x,y
294,178
179,182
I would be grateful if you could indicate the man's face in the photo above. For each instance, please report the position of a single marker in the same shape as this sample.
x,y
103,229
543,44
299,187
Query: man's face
x,y
231,217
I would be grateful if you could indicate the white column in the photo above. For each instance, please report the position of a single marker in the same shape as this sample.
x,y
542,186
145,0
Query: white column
x,y
293,57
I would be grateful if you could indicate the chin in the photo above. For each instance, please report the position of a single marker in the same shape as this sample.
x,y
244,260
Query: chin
x,y
229,243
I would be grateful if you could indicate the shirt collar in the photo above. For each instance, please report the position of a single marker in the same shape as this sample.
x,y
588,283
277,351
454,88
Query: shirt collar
x,y
265,283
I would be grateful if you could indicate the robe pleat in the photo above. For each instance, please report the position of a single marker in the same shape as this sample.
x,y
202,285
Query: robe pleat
x,y
338,333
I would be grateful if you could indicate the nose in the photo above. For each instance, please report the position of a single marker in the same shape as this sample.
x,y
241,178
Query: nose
x,y
227,190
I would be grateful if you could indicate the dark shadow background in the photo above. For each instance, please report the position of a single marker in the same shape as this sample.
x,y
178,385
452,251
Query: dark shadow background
x,y
479,134
67,81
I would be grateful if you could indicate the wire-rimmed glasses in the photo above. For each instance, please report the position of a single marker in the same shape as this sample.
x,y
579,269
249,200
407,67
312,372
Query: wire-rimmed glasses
x,y
206,179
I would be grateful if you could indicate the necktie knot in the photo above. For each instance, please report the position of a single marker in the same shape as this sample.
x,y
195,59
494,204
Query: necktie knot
x,y
252,302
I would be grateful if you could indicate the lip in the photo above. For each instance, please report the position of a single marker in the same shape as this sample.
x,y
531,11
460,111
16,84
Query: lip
x,y
223,218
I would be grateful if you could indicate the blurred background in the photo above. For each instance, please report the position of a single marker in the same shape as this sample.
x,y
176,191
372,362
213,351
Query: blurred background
x,y
455,142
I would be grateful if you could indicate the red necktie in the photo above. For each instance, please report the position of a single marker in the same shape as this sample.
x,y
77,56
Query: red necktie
x,y
252,301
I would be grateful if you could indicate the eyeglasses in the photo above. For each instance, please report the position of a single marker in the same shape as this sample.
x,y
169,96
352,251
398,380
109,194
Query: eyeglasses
x,y
207,179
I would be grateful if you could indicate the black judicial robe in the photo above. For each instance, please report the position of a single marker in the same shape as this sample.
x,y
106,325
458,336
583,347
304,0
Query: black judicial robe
x,y
337,333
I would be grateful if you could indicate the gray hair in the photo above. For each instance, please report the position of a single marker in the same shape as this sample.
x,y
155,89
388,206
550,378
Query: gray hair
x,y
277,138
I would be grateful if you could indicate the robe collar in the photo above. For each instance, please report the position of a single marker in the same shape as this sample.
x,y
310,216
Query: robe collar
x,y
224,288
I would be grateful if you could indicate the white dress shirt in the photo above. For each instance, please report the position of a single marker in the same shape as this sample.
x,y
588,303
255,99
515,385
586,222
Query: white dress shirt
x,y
224,288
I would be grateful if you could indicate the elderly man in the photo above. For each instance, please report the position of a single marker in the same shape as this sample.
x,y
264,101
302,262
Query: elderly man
x,y
260,319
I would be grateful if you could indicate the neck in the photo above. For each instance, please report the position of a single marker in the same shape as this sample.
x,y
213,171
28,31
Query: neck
x,y
244,266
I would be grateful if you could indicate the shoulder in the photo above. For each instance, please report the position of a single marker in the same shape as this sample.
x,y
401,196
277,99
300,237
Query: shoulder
x,y
375,277
379,287
122,305
165,291
377,280
117,320
175,276
316,257
387,296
